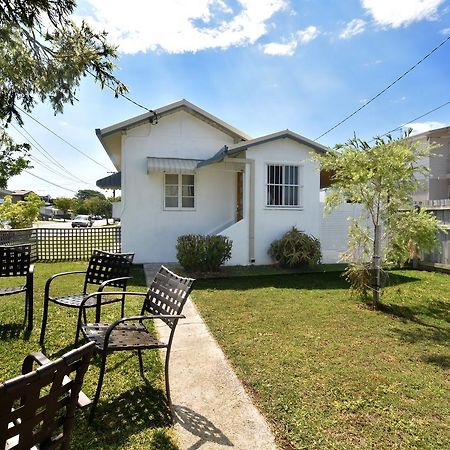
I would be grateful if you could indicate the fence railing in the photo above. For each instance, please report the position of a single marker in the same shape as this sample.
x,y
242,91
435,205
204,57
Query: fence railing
x,y
64,244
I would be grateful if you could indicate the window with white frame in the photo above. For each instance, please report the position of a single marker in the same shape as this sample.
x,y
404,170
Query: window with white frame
x,y
284,187
179,191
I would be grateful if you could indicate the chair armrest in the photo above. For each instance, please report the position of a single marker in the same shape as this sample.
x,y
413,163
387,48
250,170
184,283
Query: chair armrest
x,y
105,283
40,359
99,294
36,357
56,275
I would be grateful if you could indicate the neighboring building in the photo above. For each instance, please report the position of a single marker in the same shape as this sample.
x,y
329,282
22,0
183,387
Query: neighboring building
x,y
190,172
3,194
19,195
436,188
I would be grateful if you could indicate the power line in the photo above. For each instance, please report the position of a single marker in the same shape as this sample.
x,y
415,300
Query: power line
x,y
49,157
413,120
62,139
386,88
49,182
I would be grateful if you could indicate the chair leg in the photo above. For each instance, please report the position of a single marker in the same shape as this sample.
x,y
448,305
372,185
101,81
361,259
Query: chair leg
x,y
84,315
29,300
141,364
25,319
44,322
166,376
99,387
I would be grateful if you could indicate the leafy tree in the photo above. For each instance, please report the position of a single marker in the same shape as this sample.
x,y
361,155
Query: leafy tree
x,y
99,206
23,213
43,57
79,206
84,194
382,178
64,204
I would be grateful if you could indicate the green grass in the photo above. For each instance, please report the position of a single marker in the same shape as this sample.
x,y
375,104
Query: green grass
x,y
132,412
330,373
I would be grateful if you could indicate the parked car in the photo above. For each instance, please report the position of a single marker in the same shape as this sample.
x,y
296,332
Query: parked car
x,y
82,221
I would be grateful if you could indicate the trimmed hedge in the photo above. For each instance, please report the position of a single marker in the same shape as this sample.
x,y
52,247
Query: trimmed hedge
x,y
296,249
203,253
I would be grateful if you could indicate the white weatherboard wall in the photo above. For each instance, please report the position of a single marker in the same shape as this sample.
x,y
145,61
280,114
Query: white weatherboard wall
x,y
271,223
149,230
334,230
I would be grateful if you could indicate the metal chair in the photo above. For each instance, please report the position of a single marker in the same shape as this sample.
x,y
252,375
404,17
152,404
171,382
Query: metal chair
x,y
104,269
164,300
37,408
15,262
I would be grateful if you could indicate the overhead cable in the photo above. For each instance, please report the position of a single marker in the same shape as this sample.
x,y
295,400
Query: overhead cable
x,y
386,88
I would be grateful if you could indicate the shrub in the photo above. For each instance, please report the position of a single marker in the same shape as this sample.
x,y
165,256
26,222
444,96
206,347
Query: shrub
x,y
296,249
199,253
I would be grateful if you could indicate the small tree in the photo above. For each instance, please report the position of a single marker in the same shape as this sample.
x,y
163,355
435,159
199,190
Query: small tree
x,y
382,178
99,207
64,204
23,213
84,194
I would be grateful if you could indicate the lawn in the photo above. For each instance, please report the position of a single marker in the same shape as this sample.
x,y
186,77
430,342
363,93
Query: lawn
x,y
132,412
330,373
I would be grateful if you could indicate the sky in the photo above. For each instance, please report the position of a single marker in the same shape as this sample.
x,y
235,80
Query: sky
x,y
260,65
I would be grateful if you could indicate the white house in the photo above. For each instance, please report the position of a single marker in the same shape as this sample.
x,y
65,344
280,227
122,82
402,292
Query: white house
x,y
436,189
182,171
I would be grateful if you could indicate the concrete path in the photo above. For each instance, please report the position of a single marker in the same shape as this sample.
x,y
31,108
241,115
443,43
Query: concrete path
x,y
211,407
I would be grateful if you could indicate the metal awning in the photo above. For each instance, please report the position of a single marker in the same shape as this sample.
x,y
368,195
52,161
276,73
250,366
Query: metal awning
x,y
111,181
171,165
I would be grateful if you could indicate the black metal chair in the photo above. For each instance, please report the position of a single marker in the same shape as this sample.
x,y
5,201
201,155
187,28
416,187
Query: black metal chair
x,y
37,408
15,261
104,269
164,300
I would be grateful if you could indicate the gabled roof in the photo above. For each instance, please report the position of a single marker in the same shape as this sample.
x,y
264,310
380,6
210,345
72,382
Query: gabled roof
x,y
241,146
182,105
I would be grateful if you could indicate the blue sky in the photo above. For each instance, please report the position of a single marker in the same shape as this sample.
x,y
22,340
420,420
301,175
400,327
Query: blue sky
x,y
260,65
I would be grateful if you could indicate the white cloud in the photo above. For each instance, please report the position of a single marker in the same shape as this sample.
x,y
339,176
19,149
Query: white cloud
x,y
445,31
276,49
397,13
354,27
288,48
308,34
421,127
177,26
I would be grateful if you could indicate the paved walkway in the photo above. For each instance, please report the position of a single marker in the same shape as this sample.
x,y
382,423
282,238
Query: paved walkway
x,y
211,407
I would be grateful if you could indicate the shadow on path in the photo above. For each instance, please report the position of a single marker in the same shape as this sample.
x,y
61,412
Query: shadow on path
x,y
199,426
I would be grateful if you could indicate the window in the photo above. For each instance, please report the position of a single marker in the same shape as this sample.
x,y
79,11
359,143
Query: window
x,y
179,191
283,185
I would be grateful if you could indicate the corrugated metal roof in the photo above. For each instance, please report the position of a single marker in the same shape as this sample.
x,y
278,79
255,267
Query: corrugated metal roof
x,y
172,165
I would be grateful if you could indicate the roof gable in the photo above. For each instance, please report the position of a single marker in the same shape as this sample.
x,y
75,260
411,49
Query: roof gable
x,y
183,105
242,146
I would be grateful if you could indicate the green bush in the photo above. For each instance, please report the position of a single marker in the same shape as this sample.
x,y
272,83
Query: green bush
x,y
199,253
296,249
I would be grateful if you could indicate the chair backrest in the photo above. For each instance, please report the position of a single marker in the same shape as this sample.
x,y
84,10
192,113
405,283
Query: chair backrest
x,y
14,260
37,409
167,294
104,266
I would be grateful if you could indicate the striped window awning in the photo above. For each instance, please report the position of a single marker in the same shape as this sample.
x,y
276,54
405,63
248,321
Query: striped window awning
x,y
171,165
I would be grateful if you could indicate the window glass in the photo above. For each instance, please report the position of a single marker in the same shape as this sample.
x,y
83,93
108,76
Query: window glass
x,y
283,185
179,191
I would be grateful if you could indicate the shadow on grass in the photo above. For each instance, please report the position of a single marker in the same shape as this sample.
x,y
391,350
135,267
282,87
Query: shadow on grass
x,y
305,281
119,418
13,331
441,361
437,311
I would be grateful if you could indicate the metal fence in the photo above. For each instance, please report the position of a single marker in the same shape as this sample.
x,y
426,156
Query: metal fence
x,y
64,244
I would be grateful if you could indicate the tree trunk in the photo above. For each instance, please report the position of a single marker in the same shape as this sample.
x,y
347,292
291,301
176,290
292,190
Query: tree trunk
x,y
376,266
